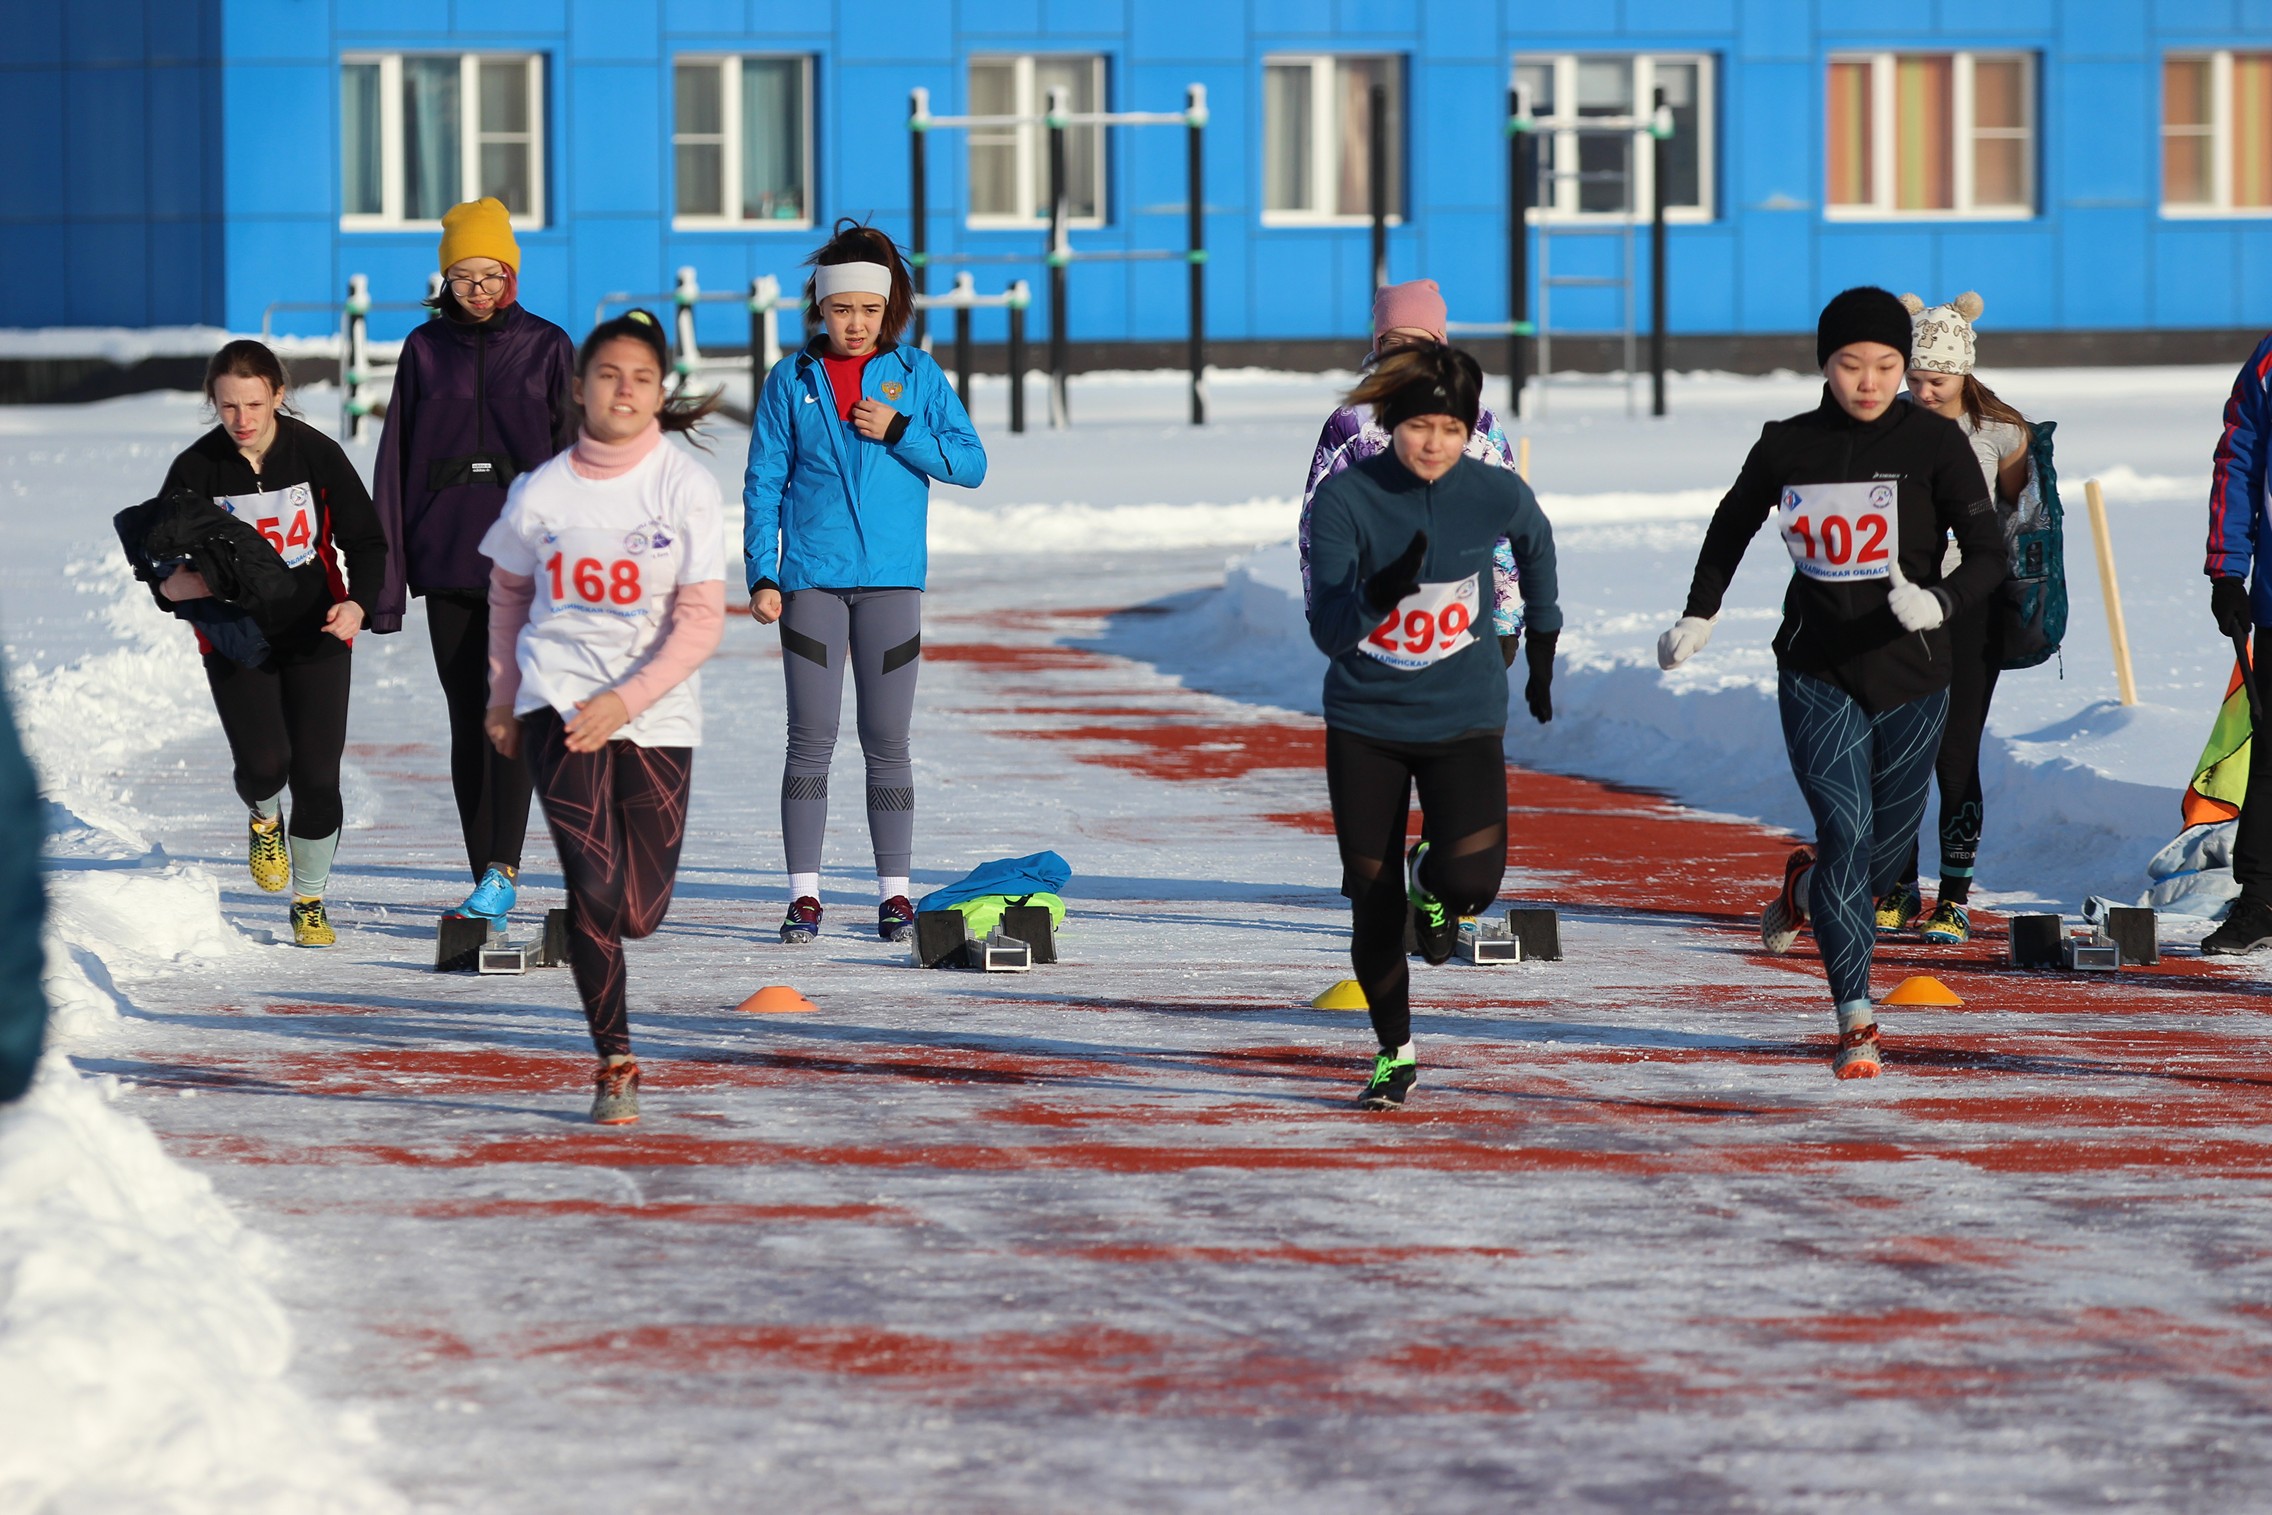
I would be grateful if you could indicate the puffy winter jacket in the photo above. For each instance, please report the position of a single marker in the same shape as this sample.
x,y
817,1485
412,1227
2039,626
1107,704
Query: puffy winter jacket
x,y
475,405
827,508
1844,632
2240,527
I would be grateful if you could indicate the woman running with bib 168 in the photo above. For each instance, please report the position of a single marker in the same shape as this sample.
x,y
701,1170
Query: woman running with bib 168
x,y
1400,583
1865,493
848,436
608,592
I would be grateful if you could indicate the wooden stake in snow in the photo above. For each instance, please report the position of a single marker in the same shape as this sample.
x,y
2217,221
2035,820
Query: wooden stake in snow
x,y
2119,634
1522,458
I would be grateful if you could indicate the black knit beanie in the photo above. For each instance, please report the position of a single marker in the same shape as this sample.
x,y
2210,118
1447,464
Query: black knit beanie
x,y
1450,384
1863,314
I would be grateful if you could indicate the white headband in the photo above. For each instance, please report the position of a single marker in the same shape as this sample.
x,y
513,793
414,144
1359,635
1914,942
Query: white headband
x,y
851,279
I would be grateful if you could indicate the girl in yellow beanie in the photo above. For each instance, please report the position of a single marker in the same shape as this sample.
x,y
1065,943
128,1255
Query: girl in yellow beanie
x,y
482,396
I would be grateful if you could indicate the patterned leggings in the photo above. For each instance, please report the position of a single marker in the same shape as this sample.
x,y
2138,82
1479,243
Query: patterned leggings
x,y
1865,777
618,817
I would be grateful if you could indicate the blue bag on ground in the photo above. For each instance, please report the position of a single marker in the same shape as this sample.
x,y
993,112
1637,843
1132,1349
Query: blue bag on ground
x,y
1042,873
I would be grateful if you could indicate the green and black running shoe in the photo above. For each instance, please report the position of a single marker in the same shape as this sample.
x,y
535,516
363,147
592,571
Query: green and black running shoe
x,y
1433,926
1393,1078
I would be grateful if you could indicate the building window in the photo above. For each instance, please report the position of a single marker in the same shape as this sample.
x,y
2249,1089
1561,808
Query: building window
x,y
420,132
1317,133
1596,174
741,139
1009,164
1931,134
2217,134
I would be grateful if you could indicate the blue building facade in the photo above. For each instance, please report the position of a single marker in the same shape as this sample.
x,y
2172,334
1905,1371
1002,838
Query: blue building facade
x,y
2089,165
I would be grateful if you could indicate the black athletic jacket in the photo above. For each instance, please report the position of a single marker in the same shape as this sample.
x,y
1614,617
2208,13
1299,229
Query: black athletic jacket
x,y
344,520
1845,632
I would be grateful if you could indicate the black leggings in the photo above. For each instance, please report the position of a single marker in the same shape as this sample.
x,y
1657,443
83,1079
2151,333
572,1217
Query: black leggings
x,y
286,722
1979,657
618,818
1463,816
492,791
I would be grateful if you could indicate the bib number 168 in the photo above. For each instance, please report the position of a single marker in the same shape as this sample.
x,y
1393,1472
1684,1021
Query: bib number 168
x,y
594,582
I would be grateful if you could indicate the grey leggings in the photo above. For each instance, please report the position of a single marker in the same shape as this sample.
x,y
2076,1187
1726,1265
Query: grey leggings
x,y
879,631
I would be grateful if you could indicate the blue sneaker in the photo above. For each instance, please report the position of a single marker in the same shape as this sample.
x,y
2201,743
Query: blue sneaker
x,y
491,898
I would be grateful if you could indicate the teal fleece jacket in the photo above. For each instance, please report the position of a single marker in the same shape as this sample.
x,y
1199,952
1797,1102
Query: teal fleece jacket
x,y
1362,520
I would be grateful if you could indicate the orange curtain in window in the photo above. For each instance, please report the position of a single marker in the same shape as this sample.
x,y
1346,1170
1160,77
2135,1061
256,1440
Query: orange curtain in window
x,y
2187,110
1924,93
1849,145
2252,130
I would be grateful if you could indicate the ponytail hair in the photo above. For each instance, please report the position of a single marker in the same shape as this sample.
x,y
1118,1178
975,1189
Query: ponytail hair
x,y
1424,380
1982,404
856,242
681,412
245,358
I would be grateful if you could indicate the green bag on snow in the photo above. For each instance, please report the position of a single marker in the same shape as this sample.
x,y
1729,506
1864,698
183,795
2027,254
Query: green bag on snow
x,y
983,914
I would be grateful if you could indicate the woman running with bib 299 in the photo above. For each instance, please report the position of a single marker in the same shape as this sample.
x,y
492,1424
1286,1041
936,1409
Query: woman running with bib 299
x,y
608,592
1400,585
1865,493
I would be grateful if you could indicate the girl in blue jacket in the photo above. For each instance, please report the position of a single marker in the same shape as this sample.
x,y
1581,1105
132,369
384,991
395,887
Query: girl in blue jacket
x,y
848,436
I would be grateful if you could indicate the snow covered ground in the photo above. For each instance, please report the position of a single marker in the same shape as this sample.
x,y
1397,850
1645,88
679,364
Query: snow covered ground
x,y
286,1231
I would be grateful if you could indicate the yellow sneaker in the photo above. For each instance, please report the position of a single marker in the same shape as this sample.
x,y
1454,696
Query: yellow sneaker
x,y
264,852
310,926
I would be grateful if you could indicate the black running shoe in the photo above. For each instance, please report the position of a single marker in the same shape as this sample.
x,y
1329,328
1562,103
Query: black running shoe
x,y
802,923
1435,927
1393,1078
2247,927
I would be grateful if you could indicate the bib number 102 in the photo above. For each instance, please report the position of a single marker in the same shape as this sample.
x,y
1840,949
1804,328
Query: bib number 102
x,y
1837,541
594,582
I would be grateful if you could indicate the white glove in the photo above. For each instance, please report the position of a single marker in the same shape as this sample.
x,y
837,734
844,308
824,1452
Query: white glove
x,y
1916,609
1684,641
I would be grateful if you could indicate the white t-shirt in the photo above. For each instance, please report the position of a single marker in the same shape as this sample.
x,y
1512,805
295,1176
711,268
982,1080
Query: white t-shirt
x,y
606,554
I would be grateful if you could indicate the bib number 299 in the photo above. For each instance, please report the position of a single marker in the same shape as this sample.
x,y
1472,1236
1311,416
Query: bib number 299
x,y
1427,626
589,581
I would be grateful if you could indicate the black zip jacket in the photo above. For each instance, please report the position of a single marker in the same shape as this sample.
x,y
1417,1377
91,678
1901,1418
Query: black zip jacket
x,y
1845,632
343,524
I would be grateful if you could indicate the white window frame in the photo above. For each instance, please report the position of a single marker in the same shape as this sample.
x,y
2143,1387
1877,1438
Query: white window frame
x,y
1885,136
1033,140
730,97
470,137
2220,61
1324,138
1564,205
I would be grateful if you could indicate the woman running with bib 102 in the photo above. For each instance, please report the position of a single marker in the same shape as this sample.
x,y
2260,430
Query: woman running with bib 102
x,y
1400,573
286,717
848,436
608,593
1865,493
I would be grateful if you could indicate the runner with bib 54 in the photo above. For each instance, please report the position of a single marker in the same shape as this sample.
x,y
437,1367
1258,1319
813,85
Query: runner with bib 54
x,y
1400,573
1865,493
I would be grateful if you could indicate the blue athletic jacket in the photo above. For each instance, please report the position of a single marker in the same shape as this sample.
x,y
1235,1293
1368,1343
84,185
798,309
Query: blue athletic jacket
x,y
827,508
2237,524
1364,518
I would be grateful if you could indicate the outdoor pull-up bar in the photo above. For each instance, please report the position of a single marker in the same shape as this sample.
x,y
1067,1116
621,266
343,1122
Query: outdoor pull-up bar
x,y
1059,255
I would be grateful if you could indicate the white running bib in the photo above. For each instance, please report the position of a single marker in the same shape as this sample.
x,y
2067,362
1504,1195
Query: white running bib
x,y
1427,626
599,569
1840,532
286,520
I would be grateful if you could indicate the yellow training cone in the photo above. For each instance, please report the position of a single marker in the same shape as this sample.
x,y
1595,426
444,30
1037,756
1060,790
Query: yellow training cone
x,y
777,999
1923,990
1342,996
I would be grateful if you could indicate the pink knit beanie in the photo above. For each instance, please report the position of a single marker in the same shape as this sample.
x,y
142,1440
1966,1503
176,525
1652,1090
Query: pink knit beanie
x,y
1418,305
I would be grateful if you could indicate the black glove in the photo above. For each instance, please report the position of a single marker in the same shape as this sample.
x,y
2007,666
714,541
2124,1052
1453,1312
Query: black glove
x,y
1507,646
2228,602
1385,590
1538,693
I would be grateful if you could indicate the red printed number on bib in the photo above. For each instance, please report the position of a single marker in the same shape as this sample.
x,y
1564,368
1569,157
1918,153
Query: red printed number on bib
x,y
286,520
1427,626
593,583
617,573
1840,532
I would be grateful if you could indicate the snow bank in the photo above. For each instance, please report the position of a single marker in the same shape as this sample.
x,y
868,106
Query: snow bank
x,y
1074,527
142,1359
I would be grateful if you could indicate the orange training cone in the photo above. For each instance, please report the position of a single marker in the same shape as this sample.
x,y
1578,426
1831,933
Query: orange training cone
x,y
1923,990
776,999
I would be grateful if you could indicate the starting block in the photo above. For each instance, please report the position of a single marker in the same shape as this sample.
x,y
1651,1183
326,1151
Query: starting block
x,y
494,954
1025,937
1484,944
2042,941
1539,930
459,940
2131,928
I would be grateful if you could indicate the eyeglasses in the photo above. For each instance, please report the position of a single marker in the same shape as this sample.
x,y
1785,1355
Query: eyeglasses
x,y
488,284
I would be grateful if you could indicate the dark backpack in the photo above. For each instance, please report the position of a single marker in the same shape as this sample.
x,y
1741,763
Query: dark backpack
x,y
2031,603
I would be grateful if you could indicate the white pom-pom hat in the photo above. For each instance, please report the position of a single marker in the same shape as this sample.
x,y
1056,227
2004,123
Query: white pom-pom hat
x,y
1941,339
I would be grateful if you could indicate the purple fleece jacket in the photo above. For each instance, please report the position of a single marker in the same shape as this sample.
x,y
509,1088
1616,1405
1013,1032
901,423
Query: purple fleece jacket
x,y
474,406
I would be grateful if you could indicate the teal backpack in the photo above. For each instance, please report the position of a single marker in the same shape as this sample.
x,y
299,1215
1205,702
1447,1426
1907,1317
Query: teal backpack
x,y
2031,604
